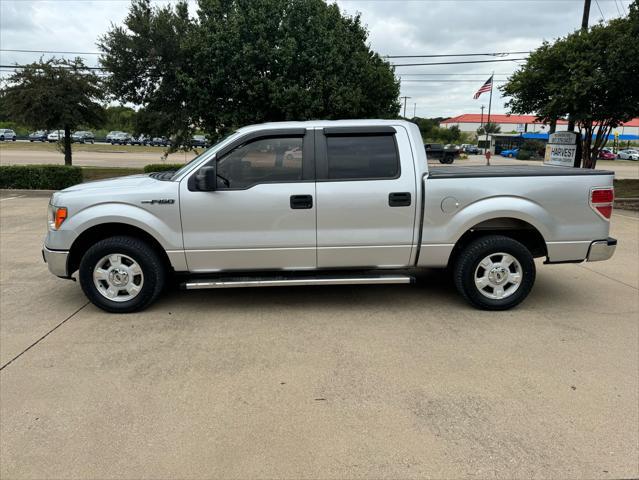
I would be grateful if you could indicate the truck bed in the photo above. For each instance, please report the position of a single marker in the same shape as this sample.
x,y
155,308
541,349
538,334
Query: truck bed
x,y
484,171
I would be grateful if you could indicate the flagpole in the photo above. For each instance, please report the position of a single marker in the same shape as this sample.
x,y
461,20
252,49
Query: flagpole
x,y
490,102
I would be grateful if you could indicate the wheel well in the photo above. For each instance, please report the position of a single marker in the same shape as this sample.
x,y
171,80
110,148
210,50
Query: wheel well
x,y
99,232
514,228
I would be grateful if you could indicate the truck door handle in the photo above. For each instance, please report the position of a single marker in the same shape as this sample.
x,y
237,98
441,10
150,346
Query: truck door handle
x,y
299,202
399,199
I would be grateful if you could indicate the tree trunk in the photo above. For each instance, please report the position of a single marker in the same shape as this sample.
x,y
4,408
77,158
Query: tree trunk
x,y
67,145
586,154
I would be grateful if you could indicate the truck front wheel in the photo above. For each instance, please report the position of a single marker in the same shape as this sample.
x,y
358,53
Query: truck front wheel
x,y
122,274
494,272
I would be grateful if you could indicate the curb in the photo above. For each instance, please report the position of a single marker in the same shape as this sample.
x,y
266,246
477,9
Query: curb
x,y
627,204
28,192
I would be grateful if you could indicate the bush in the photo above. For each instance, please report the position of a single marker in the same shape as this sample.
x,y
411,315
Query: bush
x,y
524,155
41,177
162,167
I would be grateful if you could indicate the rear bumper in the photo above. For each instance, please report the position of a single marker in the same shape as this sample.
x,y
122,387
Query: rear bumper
x,y
601,250
56,260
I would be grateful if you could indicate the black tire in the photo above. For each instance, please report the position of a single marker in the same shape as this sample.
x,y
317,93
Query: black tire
x,y
467,263
153,269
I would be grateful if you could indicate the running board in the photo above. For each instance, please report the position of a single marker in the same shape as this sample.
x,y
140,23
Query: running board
x,y
238,282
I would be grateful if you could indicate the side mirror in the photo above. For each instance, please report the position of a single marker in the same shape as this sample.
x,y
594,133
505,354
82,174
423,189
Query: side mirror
x,y
206,178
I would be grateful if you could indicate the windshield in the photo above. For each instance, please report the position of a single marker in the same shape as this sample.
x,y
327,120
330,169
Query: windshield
x,y
208,152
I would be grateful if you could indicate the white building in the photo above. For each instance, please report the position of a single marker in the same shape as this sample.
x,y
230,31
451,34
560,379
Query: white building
x,y
470,122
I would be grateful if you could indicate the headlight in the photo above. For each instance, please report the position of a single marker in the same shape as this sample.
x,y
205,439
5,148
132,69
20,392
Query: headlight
x,y
57,215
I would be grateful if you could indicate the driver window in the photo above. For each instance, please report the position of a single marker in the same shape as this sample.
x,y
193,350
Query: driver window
x,y
265,160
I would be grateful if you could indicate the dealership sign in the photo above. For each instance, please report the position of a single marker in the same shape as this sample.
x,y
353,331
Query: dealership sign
x,y
563,149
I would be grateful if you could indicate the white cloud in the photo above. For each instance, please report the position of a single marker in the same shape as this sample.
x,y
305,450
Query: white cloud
x,y
396,27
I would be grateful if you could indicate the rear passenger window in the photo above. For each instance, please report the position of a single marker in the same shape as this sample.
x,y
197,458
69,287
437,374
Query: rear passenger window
x,y
362,157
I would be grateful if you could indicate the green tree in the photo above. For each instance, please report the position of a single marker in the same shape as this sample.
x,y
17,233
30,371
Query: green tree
x,y
591,76
246,61
119,117
427,126
52,94
489,128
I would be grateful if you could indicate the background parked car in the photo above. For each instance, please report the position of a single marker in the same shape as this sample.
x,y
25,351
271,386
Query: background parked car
x,y
472,149
630,154
7,134
160,142
38,136
510,153
112,134
139,140
199,141
121,138
83,137
607,155
293,154
55,136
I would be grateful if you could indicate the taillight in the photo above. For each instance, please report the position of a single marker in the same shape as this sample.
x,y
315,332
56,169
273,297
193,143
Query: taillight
x,y
601,200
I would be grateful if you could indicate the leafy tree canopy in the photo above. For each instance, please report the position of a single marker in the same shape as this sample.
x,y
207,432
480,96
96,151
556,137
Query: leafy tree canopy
x,y
54,94
591,76
246,61
489,128
117,117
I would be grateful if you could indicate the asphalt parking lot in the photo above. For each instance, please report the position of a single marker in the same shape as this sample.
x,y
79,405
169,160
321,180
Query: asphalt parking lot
x,y
318,382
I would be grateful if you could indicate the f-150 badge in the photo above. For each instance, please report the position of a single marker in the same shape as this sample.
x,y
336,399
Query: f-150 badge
x,y
161,201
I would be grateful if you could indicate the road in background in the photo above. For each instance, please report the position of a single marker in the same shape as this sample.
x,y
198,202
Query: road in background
x,y
318,382
109,156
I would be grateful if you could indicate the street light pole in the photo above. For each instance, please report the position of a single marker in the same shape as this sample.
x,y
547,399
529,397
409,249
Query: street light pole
x,y
481,123
405,98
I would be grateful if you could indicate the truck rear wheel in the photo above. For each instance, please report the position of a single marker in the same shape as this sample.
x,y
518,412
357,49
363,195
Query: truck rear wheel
x,y
122,274
494,272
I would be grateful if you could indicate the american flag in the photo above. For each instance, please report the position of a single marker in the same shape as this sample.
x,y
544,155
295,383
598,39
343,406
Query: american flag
x,y
486,87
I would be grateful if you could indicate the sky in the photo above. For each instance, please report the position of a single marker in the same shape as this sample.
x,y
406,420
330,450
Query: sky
x,y
396,27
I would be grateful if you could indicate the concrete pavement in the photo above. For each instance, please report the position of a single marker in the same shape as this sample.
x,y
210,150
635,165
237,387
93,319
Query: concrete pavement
x,y
318,382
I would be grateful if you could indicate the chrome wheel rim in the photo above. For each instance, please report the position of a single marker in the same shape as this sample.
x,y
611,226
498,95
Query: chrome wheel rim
x,y
498,276
118,277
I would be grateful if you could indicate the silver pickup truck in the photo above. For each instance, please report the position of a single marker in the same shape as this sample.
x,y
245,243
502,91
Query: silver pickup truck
x,y
325,203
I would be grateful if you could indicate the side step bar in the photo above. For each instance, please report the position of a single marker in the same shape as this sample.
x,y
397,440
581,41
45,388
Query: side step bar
x,y
237,282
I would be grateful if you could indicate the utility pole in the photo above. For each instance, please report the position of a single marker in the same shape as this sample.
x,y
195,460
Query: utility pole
x,y
584,27
414,110
405,98
586,16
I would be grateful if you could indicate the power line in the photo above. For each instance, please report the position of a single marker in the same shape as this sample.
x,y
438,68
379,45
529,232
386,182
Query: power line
x,y
495,54
602,15
20,67
454,73
446,80
20,50
456,63
617,7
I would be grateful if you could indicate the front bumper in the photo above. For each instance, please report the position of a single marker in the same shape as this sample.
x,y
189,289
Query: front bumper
x,y
601,250
56,260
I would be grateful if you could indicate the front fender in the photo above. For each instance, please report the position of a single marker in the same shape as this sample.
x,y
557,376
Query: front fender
x,y
166,229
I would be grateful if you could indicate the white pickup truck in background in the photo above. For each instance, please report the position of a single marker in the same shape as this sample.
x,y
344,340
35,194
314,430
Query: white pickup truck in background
x,y
355,204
